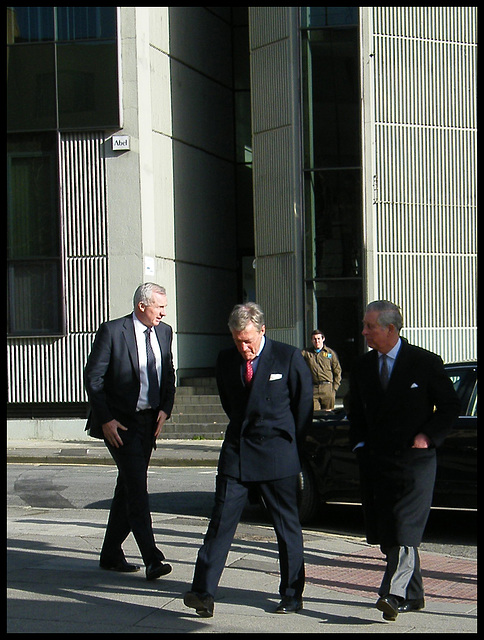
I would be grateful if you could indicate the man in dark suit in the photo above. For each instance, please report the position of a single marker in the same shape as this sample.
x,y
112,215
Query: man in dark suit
x,y
402,405
130,382
266,390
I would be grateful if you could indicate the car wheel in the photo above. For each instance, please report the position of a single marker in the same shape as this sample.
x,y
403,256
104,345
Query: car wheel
x,y
308,500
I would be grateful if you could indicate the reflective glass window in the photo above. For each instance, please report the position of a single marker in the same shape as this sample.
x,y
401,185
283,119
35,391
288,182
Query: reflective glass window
x,y
31,94
68,83
86,23
335,198
332,128
332,176
328,16
30,24
87,80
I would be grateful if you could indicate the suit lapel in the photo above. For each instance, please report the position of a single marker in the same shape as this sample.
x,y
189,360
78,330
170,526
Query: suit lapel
x,y
400,368
128,334
160,334
261,377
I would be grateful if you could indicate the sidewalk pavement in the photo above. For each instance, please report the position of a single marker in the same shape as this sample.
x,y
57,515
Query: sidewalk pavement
x,y
55,584
169,452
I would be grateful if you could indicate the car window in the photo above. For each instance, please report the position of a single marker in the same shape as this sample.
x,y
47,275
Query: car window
x,y
472,409
465,384
456,380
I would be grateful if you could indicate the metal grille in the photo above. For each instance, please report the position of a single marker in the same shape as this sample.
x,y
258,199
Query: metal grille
x,y
420,155
51,370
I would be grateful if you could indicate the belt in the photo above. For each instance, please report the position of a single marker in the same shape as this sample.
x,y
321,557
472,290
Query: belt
x,y
143,412
323,382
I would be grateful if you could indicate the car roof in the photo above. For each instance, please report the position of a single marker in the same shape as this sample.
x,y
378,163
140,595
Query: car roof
x,y
463,364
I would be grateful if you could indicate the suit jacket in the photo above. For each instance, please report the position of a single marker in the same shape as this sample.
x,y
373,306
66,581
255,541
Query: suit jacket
x,y
397,481
265,421
419,398
111,375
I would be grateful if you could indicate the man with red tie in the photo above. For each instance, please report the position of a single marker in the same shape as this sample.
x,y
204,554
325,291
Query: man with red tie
x,y
266,391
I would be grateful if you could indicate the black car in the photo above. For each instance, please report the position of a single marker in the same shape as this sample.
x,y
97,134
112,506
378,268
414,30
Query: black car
x,y
330,470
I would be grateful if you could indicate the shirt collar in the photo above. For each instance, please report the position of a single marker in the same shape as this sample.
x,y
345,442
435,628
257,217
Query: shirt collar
x,y
262,343
139,327
393,352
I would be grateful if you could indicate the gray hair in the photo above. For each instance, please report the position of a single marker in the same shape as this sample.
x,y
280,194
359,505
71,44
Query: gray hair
x,y
243,314
388,313
144,293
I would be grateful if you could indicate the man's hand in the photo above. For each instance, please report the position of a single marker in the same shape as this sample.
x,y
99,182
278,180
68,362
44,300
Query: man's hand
x,y
421,441
110,431
160,421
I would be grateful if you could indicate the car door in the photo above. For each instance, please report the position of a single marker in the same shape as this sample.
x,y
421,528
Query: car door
x,y
456,481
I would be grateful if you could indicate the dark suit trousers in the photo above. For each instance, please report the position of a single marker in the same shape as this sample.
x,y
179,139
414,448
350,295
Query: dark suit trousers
x,y
130,509
280,497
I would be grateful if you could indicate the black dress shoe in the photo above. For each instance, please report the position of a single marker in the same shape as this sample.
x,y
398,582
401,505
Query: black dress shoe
x,y
389,606
121,566
202,603
411,605
289,604
157,569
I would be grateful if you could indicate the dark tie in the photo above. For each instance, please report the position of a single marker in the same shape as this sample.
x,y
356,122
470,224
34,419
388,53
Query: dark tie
x,y
153,385
384,372
249,372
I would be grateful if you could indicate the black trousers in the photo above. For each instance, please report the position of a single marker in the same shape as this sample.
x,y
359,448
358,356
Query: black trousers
x,y
231,494
130,509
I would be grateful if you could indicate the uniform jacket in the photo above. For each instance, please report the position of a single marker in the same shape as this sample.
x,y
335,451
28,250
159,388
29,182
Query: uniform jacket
x,y
111,375
265,422
324,366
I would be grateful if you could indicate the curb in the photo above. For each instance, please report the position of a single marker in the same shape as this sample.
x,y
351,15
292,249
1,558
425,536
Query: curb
x,y
59,459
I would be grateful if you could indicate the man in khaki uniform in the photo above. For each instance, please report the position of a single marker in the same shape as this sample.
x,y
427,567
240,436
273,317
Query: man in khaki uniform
x,y
326,371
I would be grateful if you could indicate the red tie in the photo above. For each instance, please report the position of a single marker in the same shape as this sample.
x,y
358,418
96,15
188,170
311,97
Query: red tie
x,y
249,372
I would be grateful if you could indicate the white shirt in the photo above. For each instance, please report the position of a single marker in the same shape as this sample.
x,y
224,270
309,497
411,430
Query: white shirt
x,y
139,331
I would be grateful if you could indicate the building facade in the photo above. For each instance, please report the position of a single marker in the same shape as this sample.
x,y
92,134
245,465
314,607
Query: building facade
x,y
313,159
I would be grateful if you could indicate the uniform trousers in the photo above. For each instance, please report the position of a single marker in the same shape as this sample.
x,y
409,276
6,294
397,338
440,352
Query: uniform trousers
x,y
130,508
323,396
280,497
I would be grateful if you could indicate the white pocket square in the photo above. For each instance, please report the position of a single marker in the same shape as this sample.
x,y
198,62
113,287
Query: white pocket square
x,y
275,376
414,386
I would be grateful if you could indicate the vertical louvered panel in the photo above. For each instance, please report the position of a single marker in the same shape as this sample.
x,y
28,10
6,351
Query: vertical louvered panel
x,y
273,289
84,203
276,138
50,369
423,168
273,193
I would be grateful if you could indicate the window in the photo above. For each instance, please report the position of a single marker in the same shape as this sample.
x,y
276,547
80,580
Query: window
x,y
62,75
332,175
33,243
464,379
49,24
62,68
86,23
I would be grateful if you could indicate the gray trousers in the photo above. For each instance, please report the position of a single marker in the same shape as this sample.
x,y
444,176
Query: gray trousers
x,y
402,576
